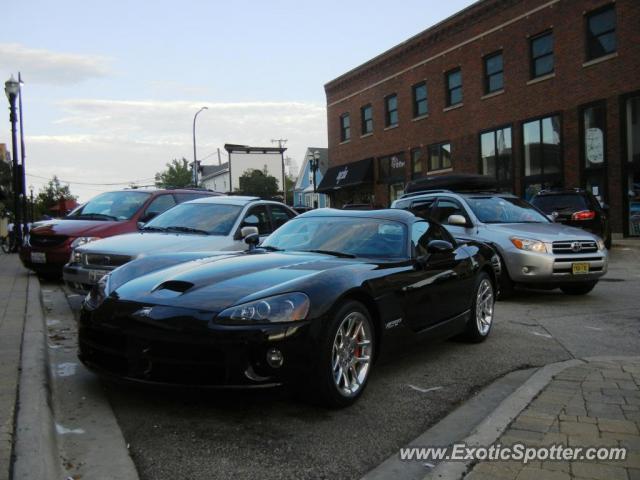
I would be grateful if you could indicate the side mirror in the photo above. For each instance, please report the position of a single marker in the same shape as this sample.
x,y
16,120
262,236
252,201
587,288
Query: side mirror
x,y
553,216
140,225
439,246
251,236
458,220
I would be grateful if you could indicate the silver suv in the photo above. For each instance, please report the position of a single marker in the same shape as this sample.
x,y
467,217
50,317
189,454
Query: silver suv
x,y
204,225
535,252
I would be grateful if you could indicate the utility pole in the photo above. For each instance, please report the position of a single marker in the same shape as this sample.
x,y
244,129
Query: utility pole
x,y
23,186
281,142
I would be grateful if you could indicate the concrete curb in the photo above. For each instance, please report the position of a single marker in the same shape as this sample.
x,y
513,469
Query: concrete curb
x,y
35,445
496,423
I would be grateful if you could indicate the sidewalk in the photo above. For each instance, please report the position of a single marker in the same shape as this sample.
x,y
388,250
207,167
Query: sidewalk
x,y
13,303
594,404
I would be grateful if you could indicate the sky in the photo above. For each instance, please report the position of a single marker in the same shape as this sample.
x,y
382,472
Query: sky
x,y
111,87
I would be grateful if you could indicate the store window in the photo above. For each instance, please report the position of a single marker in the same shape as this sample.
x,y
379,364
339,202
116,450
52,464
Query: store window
x,y
345,127
496,157
439,156
594,160
416,162
601,32
493,73
631,114
366,114
542,61
542,148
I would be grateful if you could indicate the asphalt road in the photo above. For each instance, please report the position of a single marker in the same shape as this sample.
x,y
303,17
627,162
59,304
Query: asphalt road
x,y
271,434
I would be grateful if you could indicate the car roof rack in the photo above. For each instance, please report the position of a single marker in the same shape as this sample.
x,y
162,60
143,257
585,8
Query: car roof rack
x,y
422,192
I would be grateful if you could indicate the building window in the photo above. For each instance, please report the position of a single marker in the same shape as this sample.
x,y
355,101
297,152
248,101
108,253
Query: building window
x,y
419,96
542,155
601,32
391,110
366,114
416,162
345,127
542,62
594,158
496,156
493,73
454,87
439,156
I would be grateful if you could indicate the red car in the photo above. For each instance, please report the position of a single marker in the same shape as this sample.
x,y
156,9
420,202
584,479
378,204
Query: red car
x,y
48,246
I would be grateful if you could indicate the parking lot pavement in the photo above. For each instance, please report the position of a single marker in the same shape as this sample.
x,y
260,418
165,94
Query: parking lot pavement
x,y
272,434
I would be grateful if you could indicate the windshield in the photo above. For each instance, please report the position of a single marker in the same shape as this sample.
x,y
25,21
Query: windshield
x,y
560,202
349,236
204,218
505,210
111,206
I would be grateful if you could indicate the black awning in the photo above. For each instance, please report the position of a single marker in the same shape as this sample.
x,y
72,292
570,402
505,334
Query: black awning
x,y
347,175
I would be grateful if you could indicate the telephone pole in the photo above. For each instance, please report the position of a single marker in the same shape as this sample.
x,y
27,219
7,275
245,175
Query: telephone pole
x,y
281,143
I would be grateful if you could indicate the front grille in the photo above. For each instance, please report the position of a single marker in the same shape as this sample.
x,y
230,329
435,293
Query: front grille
x,y
105,260
44,241
575,246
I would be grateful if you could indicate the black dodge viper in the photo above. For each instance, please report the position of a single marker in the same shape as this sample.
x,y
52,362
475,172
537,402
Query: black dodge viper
x,y
316,303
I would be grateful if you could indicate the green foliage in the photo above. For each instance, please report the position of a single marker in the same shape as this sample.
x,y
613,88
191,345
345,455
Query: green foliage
x,y
6,187
259,183
50,195
177,175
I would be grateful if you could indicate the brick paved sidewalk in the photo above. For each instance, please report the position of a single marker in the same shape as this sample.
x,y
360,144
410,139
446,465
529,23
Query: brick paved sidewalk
x,y
595,404
13,302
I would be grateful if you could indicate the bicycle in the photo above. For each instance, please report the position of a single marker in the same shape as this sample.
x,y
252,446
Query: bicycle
x,y
8,243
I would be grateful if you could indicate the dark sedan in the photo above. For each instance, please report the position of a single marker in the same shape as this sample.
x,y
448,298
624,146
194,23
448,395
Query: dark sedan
x,y
315,304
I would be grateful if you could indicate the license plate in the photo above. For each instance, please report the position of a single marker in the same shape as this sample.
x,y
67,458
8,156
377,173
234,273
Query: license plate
x,y
96,275
38,257
579,268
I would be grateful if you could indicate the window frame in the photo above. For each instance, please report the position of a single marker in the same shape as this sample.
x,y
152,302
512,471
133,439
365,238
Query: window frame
x,y
487,75
345,131
363,121
416,102
587,32
532,58
421,161
602,170
448,89
511,182
388,111
439,145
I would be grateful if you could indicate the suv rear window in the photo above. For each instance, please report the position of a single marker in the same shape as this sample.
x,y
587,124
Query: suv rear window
x,y
573,202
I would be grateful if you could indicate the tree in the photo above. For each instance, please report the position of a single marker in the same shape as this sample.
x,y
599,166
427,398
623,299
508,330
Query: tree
x,y
259,183
49,195
177,175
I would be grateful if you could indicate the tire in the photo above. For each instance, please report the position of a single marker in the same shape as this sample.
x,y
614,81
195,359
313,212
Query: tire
x,y
481,320
507,287
331,387
578,288
607,242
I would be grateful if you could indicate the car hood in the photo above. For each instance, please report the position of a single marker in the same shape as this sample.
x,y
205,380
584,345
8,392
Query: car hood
x,y
76,228
136,244
545,232
218,282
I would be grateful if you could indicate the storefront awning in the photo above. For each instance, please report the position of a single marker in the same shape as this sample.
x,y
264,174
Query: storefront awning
x,y
348,175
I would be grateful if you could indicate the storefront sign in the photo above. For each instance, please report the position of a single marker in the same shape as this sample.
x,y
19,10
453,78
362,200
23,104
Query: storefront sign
x,y
342,174
594,145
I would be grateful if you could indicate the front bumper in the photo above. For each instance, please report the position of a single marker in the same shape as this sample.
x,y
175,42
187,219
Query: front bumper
x,y
554,269
55,259
186,348
80,278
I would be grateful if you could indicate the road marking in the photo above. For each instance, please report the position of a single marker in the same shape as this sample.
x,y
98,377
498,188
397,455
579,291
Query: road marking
x,y
594,328
62,430
545,335
66,369
424,390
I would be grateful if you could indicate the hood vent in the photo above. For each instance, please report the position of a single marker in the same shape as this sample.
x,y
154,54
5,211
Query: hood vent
x,y
174,286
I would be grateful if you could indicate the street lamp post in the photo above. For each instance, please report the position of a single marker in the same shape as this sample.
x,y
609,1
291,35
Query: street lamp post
x,y
314,163
11,88
33,211
195,158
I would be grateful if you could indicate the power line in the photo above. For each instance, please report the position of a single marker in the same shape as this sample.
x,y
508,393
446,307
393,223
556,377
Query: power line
x,y
128,182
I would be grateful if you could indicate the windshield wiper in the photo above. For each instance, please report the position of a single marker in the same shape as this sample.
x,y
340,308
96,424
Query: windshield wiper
x,y
97,216
331,252
151,228
271,249
186,230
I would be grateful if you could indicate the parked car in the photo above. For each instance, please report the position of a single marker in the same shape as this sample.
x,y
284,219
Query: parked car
x,y
48,247
576,207
315,305
534,251
202,225
361,206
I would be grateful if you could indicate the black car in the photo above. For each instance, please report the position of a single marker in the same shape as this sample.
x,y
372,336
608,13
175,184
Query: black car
x,y
320,300
575,207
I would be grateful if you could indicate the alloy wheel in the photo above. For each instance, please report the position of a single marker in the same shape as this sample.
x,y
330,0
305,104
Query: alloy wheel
x,y
351,354
484,306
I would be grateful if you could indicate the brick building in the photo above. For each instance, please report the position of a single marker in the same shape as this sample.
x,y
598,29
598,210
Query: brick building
x,y
538,93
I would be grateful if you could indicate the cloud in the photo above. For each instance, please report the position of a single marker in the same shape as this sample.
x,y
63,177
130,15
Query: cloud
x,y
53,68
105,141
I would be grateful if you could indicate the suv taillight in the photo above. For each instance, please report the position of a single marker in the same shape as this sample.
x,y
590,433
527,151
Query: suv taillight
x,y
584,215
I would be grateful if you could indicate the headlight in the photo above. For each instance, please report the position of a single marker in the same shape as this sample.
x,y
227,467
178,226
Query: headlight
x,y
82,240
289,307
98,293
600,243
529,245
76,257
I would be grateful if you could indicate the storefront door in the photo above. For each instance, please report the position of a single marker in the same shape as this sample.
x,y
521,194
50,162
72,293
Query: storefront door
x,y
631,116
